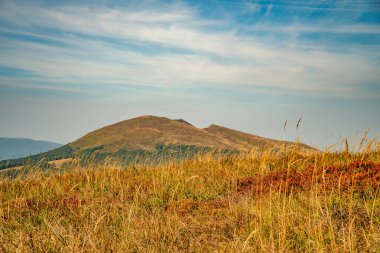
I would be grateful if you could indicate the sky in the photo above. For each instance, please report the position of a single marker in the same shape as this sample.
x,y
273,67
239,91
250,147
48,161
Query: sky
x,y
70,67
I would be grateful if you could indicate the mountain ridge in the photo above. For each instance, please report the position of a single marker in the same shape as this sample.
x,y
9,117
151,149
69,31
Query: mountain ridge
x,y
152,135
145,132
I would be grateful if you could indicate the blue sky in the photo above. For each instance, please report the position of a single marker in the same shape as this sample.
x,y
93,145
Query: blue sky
x,y
69,67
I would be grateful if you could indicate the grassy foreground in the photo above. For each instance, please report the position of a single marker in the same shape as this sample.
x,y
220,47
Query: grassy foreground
x,y
256,202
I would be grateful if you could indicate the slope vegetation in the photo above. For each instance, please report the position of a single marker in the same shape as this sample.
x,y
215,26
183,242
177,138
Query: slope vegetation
x,y
252,202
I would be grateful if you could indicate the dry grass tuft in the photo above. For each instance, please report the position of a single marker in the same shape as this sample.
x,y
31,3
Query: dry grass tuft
x,y
357,176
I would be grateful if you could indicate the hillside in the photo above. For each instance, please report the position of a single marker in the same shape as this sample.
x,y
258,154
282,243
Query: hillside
x,y
325,202
20,147
146,132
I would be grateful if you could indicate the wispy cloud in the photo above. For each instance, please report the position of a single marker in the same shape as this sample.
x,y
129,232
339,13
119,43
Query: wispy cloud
x,y
249,65
177,47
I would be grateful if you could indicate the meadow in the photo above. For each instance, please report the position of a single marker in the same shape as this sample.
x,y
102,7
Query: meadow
x,y
258,201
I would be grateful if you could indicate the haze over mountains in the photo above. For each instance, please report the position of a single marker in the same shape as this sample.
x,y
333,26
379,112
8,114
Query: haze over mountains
x,y
11,148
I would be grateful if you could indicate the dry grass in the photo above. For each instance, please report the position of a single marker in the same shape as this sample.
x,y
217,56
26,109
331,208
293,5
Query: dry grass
x,y
359,177
59,163
198,205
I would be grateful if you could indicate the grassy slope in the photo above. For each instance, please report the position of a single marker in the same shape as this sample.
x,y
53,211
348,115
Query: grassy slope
x,y
199,205
242,140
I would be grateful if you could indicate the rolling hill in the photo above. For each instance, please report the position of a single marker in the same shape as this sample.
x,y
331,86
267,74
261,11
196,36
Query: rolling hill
x,y
11,148
146,132
153,135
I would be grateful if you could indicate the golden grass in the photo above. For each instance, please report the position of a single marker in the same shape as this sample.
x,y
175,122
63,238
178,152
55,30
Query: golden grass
x,y
189,206
59,163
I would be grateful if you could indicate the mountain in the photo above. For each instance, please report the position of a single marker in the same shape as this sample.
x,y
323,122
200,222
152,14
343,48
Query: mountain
x,y
156,137
146,132
11,148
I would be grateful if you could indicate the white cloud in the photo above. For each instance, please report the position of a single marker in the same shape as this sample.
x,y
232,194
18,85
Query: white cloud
x,y
217,58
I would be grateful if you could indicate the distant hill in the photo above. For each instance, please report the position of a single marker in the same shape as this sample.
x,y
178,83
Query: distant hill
x,y
146,132
11,148
155,137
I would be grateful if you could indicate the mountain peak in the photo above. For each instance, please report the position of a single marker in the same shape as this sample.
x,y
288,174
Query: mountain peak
x,y
146,117
184,122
